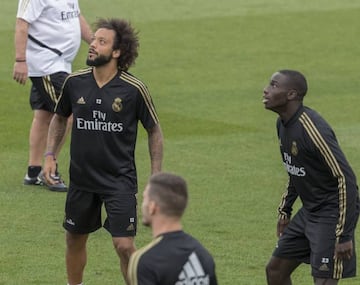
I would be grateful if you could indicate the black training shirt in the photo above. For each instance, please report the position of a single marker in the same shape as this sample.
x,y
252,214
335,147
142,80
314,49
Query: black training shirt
x,y
104,131
318,171
172,258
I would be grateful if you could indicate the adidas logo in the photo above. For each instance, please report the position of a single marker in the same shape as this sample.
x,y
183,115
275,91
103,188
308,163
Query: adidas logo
x,y
131,227
324,267
193,273
81,100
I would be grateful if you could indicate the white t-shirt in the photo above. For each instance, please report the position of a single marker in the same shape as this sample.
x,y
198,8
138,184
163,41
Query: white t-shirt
x,y
56,24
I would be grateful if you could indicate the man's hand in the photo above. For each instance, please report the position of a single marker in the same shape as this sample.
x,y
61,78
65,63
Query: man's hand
x,y
49,170
344,250
20,73
281,225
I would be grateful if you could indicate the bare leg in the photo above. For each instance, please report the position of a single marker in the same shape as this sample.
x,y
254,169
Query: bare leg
x,y
124,247
38,136
75,257
278,270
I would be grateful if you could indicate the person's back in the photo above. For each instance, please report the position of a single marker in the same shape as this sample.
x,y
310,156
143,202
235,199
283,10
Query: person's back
x,y
174,258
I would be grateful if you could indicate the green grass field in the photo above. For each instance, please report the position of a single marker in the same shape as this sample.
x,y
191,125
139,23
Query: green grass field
x,y
206,63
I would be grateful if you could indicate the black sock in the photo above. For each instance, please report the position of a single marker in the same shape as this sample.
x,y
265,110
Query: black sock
x,y
33,171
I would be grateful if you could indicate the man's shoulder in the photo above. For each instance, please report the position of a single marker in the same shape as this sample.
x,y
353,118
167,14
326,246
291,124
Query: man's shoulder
x,y
314,117
79,74
133,81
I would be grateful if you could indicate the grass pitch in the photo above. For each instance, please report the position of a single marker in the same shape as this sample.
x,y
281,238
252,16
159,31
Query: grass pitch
x,y
205,63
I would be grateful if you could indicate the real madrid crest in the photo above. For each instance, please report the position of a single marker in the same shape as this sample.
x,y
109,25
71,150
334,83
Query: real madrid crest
x,y
117,105
294,149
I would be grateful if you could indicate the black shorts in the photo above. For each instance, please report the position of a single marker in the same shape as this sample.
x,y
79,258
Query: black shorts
x,y
312,240
46,90
83,213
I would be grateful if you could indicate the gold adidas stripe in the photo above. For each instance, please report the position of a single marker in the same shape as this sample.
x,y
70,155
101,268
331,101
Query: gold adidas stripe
x,y
143,91
338,268
283,200
134,260
49,87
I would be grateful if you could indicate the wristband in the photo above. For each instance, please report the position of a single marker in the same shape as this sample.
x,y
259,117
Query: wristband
x,y
49,153
20,60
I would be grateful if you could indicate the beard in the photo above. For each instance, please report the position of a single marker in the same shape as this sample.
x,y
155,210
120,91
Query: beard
x,y
99,61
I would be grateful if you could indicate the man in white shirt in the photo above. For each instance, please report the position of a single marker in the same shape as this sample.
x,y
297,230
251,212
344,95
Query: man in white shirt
x,y
47,38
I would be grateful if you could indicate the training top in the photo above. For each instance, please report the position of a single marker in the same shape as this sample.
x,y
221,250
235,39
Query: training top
x,y
174,258
54,34
104,130
318,171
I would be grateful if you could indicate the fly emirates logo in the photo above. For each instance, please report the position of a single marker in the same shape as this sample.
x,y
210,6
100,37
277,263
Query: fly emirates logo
x,y
99,123
293,169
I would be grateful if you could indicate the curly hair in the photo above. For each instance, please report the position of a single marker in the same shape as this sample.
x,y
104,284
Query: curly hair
x,y
126,39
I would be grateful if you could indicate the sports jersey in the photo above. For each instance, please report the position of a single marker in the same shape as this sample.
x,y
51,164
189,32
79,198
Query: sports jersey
x,y
174,258
54,34
104,131
318,171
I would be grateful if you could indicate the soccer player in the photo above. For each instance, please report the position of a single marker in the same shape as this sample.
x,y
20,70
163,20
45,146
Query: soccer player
x,y
107,103
173,256
47,38
322,231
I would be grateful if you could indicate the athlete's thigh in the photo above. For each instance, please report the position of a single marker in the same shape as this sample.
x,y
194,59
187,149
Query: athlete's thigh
x,y
293,244
121,220
82,211
321,233
46,90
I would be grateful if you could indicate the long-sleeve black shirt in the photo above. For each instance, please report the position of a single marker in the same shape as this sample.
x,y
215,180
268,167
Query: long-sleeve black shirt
x,y
318,171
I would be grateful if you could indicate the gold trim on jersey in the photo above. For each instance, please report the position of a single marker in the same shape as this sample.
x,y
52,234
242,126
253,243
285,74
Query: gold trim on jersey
x,y
135,257
282,213
143,91
75,73
330,159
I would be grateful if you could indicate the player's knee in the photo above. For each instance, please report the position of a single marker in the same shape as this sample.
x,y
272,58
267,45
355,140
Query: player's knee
x,y
273,274
124,247
75,242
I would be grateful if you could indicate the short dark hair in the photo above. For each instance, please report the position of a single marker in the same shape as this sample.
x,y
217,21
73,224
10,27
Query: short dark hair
x,y
126,40
170,192
297,81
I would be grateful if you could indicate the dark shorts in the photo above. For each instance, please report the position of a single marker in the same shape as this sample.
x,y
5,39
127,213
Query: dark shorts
x,y
309,240
46,90
83,213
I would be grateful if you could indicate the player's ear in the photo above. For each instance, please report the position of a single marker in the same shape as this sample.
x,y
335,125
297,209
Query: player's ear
x,y
152,207
116,53
292,94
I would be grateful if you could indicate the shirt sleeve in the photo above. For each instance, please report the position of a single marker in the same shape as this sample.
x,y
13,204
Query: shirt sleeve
x,y
63,106
139,272
348,202
287,201
30,10
146,112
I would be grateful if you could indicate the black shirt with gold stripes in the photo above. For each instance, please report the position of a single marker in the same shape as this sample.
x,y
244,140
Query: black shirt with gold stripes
x,y
104,131
318,170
